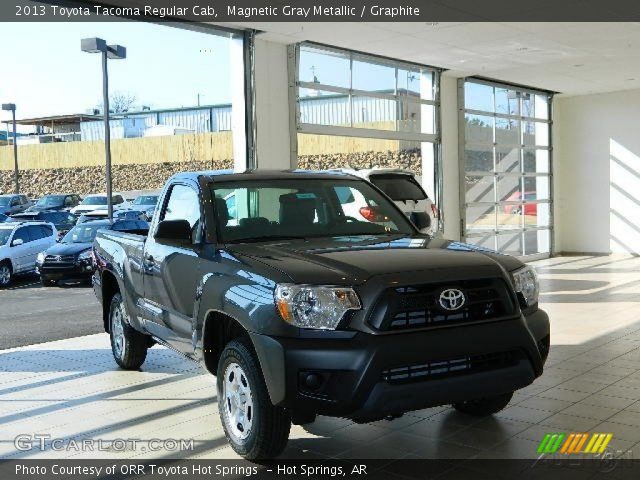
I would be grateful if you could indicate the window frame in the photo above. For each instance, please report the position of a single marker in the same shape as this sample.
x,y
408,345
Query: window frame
x,y
494,174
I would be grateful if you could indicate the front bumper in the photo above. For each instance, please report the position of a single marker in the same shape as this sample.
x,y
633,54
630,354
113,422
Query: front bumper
x,y
366,377
70,271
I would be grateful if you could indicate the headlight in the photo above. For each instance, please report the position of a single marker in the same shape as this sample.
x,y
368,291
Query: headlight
x,y
525,281
88,255
319,307
40,258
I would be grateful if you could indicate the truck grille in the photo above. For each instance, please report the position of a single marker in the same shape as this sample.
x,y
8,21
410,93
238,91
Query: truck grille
x,y
412,307
448,368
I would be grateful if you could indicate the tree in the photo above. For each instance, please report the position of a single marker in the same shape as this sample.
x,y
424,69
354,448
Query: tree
x,y
119,102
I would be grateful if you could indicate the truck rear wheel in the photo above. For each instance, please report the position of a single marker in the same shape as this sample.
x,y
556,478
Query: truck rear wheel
x,y
484,406
129,347
254,427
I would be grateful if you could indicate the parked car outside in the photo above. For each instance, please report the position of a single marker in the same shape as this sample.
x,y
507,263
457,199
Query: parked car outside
x,y
403,188
20,244
99,202
11,204
146,204
301,310
63,221
530,209
71,258
64,201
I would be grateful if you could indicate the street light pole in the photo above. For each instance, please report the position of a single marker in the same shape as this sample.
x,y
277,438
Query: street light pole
x,y
12,107
98,45
107,133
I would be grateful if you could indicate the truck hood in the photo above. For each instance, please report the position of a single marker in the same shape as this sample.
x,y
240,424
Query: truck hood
x,y
353,260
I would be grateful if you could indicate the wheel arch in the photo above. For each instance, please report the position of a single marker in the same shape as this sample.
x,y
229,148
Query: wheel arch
x,y
218,329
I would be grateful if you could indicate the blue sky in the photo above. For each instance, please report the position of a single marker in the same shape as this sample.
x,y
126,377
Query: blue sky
x,y
44,72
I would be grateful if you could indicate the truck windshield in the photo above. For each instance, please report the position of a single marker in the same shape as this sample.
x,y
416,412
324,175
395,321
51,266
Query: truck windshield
x,y
274,209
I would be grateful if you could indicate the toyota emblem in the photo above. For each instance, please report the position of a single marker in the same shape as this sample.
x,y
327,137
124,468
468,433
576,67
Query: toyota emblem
x,y
451,299
57,258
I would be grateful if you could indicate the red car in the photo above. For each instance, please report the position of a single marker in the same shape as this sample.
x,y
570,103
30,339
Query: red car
x,y
529,208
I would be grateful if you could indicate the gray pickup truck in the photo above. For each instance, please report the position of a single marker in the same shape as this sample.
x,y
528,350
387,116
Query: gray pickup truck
x,y
301,309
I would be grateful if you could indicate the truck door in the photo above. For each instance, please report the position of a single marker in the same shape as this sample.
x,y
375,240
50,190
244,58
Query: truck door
x,y
171,271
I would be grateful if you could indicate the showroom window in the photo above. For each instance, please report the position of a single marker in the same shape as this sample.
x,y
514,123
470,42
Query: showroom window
x,y
354,110
505,157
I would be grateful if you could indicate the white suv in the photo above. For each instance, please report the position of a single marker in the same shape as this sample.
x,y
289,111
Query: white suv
x,y
91,203
20,244
403,188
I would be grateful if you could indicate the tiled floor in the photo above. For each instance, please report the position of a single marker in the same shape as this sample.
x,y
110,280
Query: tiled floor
x,y
71,389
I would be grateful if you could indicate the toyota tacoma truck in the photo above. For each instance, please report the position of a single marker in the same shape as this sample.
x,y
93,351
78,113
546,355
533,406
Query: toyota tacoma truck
x,y
300,310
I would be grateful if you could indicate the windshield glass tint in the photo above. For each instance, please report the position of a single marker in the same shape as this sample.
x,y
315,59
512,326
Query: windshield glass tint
x,y
4,201
399,187
261,210
146,200
5,233
94,200
51,201
82,234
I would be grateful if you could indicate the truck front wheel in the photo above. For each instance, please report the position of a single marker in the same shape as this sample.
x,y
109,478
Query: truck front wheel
x,y
129,347
484,406
254,427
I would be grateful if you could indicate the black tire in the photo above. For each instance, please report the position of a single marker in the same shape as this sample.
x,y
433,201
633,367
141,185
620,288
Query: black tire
x,y
484,406
6,274
268,425
131,352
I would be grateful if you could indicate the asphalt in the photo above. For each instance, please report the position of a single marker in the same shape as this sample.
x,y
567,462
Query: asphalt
x,y
31,313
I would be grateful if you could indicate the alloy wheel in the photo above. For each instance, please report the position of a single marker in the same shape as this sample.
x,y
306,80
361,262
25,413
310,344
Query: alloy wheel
x,y
117,331
5,275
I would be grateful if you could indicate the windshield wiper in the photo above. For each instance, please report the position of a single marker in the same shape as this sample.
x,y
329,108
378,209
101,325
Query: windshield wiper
x,y
267,238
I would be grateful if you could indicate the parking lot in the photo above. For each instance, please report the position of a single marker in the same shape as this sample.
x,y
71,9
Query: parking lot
x,y
72,390
55,313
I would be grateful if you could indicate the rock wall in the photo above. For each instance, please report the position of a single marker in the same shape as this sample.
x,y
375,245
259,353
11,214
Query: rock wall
x,y
409,159
84,180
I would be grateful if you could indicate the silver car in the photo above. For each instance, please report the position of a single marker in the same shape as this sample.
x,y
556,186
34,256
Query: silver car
x,y
20,244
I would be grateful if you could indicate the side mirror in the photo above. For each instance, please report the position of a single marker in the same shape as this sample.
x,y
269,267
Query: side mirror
x,y
174,230
17,242
421,220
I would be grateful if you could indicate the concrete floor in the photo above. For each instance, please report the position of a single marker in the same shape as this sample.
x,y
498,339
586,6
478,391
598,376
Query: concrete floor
x,y
71,389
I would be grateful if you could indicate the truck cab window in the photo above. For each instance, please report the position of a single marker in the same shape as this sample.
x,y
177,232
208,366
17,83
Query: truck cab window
x,y
183,204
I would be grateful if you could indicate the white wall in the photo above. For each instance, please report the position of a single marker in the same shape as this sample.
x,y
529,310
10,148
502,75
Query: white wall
x,y
272,105
597,173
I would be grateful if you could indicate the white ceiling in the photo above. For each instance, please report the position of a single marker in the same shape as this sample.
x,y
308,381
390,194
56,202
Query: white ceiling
x,y
570,58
